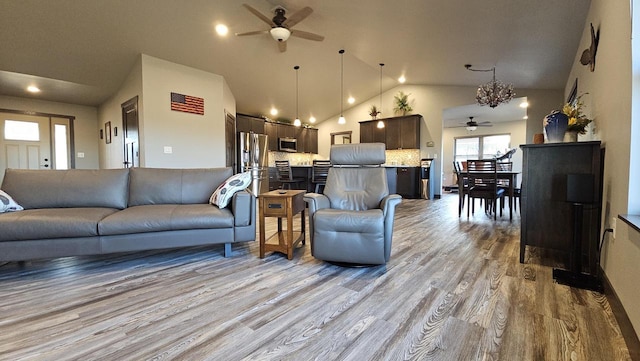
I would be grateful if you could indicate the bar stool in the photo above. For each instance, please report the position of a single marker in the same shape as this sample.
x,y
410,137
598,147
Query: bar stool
x,y
319,173
285,176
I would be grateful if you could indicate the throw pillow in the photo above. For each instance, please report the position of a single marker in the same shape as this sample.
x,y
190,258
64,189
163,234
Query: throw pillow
x,y
7,204
229,187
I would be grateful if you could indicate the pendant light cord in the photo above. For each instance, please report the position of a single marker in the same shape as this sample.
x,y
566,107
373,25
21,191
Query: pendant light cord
x,y
341,81
296,68
380,110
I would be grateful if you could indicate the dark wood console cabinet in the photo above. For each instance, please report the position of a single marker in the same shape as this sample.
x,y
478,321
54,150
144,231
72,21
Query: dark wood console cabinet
x,y
546,215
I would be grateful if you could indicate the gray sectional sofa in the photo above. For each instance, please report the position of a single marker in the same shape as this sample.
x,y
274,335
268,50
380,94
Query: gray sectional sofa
x,y
86,212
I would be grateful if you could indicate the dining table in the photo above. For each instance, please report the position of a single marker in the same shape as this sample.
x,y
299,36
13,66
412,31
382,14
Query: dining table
x,y
509,175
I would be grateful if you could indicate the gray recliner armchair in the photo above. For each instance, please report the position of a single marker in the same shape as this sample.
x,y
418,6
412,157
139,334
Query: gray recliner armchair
x,y
352,222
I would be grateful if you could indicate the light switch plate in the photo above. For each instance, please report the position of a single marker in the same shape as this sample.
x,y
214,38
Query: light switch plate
x,y
168,150
80,154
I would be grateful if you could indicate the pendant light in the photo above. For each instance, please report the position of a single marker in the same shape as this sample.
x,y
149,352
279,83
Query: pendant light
x,y
297,122
380,122
341,120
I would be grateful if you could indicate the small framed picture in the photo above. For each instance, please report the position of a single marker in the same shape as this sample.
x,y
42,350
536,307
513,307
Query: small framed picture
x,y
107,132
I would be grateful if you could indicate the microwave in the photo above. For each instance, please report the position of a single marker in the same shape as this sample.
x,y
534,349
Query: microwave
x,y
288,145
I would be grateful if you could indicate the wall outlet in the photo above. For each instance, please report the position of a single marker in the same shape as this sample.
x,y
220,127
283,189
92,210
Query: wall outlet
x,y
80,154
168,150
613,226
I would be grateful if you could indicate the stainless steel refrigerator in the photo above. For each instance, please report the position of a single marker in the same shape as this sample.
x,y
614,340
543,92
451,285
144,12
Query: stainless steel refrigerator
x,y
253,156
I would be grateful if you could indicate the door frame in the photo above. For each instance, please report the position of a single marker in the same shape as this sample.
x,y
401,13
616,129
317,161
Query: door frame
x,y
72,147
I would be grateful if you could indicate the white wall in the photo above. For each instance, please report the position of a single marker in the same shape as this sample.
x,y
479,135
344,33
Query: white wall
x,y
196,140
85,124
430,101
609,103
112,155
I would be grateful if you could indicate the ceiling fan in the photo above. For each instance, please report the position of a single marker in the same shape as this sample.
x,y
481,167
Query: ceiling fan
x,y
281,25
472,125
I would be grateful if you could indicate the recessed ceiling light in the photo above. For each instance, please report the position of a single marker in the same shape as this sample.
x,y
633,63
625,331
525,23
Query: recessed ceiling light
x,y
312,119
222,29
274,111
524,104
351,100
402,79
33,89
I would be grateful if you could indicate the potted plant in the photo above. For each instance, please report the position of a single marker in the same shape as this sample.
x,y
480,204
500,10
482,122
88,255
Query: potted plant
x,y
373,112
402,103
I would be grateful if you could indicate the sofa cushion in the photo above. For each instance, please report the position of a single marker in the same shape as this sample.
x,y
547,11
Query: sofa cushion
x,y
174,186
51,223
165,217
229,187
7,204
106,188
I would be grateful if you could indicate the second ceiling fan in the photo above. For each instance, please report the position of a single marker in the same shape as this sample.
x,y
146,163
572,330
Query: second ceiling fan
x,y
472,125
281,25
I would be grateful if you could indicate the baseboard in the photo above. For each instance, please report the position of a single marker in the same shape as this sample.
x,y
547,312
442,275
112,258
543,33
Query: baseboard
x,y
628,332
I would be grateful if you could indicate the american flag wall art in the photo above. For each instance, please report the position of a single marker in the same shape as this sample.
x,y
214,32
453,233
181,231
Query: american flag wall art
x,y
187,103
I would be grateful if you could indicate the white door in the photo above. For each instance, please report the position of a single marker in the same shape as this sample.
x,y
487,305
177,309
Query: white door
x,y
25,142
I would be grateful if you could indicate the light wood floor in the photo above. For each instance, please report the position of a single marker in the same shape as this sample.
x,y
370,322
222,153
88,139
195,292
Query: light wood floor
x,y
453,290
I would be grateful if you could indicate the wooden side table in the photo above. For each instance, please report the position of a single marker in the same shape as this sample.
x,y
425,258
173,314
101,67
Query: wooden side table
x,y
281,204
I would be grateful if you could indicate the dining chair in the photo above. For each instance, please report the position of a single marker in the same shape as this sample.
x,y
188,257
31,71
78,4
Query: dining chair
x,y
285,175
504,183
483,184
319,173
463,185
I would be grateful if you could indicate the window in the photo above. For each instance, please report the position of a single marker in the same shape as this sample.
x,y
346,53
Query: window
x,y
60,146
481,147
21,130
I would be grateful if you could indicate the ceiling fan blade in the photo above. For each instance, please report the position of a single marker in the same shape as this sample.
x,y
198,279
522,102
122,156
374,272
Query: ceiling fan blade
x,y
282,46
307,35
485,125
253,32
297,17
485,122
259,15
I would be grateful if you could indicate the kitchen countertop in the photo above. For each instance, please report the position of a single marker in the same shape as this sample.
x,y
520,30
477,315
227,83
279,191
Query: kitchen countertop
x,y
384,165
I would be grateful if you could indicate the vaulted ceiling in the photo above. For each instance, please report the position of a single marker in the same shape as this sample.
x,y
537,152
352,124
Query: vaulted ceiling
x,y
80,51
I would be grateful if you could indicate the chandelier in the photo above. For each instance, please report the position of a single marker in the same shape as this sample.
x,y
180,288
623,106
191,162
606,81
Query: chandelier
x,y
494,92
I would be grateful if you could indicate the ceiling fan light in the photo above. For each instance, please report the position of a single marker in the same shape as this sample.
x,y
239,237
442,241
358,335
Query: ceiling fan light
x,y
471,128
280,33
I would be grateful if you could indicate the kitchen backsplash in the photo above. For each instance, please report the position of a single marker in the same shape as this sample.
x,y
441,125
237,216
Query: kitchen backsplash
x,y
408,157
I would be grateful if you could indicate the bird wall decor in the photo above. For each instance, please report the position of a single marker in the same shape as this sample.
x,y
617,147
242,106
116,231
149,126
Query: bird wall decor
x,y
589,54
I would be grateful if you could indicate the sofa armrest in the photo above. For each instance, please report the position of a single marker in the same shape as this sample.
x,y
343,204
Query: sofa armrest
x,y
242,205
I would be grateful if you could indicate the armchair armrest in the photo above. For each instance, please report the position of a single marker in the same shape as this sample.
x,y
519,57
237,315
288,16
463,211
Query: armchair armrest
x,y
315,202
388,206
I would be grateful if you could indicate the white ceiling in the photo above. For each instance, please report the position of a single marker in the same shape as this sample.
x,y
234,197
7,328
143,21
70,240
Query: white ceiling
x,y
505,112
80,51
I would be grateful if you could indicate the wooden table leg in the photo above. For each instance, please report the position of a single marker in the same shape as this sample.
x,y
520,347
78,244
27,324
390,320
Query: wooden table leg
x,y
302,226
262,235
289,233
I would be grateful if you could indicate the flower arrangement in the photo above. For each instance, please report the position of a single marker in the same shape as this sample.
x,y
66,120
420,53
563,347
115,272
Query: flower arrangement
x,y
374,112
402,103
577,120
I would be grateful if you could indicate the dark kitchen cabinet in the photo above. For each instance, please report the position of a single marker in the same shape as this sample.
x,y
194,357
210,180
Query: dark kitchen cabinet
x,y
308,142
398,133
407,179
547,210
271,130
286,131
370,133
247,124
391,180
